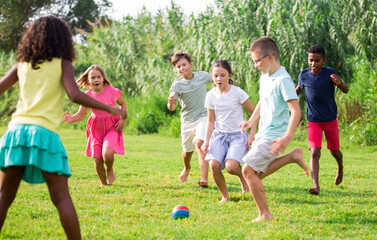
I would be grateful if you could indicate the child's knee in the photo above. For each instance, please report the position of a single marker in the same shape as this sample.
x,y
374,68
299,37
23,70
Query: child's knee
x,y
198,144
246,170
98,160
215,165
315,153
231,167
336,153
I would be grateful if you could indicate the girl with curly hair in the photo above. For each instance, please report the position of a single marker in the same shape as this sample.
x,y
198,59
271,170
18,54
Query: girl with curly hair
x,y
31,148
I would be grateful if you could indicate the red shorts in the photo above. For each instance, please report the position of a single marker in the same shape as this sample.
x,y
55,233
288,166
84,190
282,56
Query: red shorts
x,y
331,134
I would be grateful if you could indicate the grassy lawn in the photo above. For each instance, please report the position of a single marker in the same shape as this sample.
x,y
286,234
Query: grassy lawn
x,y
139,204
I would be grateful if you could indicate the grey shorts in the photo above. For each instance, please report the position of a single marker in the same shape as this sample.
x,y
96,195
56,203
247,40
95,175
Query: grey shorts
x,y
259,156
224,146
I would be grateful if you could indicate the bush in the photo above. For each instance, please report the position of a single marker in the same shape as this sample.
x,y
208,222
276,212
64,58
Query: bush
x,y
364,90
148,121
150,115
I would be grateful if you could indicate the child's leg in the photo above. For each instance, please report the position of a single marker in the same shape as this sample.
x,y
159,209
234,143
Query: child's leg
x,y
100,170
10,179
258,193
338,155
315,134
315,154
108,157
186,157
332,137
219,179
59,193
296,156
234,167
203,182
253,179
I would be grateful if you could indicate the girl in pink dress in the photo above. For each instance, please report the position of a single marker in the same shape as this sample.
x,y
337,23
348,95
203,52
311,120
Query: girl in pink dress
x,y
103,130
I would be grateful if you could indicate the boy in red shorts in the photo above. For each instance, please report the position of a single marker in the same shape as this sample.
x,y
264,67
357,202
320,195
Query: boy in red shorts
x,y
319,83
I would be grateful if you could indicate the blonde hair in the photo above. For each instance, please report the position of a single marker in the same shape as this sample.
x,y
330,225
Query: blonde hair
x,y
83,80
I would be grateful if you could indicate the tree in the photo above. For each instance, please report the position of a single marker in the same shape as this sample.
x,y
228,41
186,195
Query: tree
x,y
16,14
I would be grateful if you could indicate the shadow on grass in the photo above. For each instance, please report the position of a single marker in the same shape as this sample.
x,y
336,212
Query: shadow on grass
x,y
244,197
351,218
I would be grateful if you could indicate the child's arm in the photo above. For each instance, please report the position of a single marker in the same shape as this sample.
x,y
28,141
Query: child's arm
x,y
209,130
9,79
172,103
339,83
76,96
250,108
68,118
252,122
281,143
298,90
120,124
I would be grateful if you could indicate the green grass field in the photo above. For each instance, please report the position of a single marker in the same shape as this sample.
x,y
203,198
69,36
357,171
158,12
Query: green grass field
x,y
139,204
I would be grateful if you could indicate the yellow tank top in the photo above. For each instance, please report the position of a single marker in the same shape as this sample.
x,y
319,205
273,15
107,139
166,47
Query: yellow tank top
x,y
41,95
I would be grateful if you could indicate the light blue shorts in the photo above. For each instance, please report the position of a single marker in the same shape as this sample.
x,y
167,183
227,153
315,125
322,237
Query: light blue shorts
x,y
224,146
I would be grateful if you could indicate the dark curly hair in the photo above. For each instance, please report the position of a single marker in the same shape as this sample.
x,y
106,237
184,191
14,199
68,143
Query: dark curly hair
x,y
317,49
46,38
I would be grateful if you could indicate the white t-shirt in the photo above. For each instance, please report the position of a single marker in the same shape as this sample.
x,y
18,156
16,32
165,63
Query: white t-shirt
x,y
228,108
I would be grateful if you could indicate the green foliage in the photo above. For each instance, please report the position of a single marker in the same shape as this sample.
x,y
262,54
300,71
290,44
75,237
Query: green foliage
x,y
136,51
151,115
13,16
16,15
364,128
9,98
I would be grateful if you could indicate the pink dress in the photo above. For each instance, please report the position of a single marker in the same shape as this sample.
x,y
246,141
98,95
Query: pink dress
x,y
100,129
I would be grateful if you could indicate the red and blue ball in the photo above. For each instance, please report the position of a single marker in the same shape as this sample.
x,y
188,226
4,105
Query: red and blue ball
x,y
180,212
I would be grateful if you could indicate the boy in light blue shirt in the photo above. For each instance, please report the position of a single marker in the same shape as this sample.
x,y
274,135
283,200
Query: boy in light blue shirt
x,y
279,113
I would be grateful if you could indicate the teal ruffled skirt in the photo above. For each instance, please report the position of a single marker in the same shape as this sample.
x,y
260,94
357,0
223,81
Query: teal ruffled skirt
x,y
36,148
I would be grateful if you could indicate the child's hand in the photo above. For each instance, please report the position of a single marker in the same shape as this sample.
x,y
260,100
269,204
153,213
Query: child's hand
x,y
172,103
67,117
120,125
280,144
117,111
335,79
205,147
244,126
249,141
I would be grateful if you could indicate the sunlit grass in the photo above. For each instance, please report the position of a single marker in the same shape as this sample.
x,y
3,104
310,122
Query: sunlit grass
x,y
139,204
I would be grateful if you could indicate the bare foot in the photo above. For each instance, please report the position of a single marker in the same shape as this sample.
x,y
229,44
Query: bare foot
x,y
184,175
102,185
314,191
223,200
263,218
203,184
339,176
110,176
298,157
